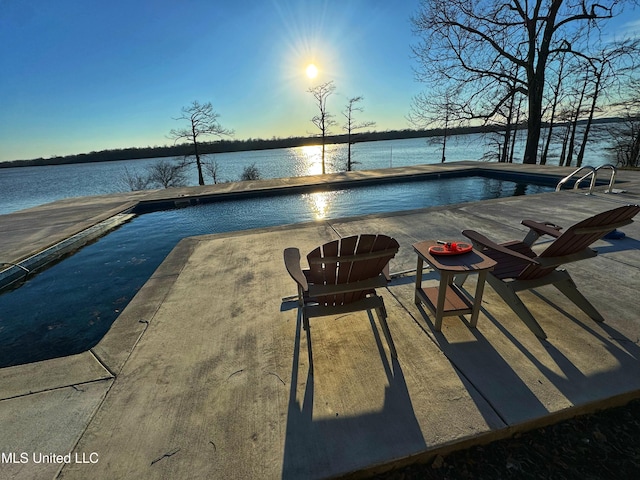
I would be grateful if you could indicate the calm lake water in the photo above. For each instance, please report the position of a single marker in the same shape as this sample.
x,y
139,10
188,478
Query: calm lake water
x,y
26,187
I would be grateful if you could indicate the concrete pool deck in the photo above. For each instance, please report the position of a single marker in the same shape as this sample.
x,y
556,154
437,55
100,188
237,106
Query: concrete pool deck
x,y
204,374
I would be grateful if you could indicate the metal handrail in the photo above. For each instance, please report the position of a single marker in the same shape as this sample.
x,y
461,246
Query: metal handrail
x,y
592,184
593,173
612,179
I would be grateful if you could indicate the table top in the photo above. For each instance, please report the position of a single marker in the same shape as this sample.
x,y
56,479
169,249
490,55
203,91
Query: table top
x,y
472,261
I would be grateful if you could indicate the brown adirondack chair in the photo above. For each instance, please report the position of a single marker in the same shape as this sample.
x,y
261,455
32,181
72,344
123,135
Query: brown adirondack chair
x,y
520,268
342,277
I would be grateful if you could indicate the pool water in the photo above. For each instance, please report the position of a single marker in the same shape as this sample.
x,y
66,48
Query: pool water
x,y
68,308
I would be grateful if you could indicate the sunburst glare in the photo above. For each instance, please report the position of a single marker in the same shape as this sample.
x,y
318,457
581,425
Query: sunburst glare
x,y
312,71
310,43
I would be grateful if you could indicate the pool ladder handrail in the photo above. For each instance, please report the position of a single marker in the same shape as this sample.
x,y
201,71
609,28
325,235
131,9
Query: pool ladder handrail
x,y
593,173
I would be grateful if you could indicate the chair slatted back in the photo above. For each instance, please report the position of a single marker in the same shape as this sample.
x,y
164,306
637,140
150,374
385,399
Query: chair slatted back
x,y
349,260
581,235
508,266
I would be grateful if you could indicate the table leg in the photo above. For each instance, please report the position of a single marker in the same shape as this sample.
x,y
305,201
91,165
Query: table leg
x,y
418,279
477,300
445,279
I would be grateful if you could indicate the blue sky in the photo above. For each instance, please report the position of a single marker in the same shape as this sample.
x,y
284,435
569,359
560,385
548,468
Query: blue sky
x,y
88,75
79,76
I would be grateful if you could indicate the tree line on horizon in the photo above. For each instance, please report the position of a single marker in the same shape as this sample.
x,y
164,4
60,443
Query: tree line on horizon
x,y
227,146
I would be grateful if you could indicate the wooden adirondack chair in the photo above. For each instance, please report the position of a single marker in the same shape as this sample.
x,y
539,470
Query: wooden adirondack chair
x,y
342,277
520,268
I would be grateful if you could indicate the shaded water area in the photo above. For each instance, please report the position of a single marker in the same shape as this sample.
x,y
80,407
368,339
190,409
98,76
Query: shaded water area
x,y
68,308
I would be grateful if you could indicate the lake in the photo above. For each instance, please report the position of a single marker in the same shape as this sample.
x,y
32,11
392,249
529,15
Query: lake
x,y
25,187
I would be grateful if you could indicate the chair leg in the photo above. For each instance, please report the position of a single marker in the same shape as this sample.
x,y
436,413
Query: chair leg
x,y
569,289
382,315
512,299
305,321
305,326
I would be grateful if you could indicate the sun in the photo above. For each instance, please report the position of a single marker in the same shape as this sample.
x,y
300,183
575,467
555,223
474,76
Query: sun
x,y
312,71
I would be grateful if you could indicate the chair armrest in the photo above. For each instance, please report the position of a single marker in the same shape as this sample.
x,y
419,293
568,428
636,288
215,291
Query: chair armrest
x,y
479,239
546,228
292,263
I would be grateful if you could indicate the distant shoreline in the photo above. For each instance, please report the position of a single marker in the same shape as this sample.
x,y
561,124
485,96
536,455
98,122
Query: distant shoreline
x,y
226,146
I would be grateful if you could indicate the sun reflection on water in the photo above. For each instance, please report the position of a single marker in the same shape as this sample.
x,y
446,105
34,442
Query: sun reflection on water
x,y
311,159
320,203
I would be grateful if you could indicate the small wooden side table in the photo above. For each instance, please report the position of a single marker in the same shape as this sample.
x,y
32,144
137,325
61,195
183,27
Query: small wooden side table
x,y
448,299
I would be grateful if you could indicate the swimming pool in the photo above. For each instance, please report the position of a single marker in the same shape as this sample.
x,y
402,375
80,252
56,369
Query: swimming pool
x,y
68,308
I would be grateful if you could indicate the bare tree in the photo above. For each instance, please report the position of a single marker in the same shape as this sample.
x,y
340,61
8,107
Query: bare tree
x,y
438,110
507,116
609,68
324,120
212,168
203,121
478,45
163,173
625,135
135,181
168,174
578,110
351,125
557,92
250,173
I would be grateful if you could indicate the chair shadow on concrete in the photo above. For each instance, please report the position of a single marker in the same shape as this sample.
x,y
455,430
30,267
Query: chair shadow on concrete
x,y
619,245
576,386
480,365
487,376
330,446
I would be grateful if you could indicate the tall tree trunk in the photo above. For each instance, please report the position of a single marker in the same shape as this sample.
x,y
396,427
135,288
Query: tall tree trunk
x,y
587,127
444,137
536,77
554,106
198,163
504,154
634,154
349,150
515,131
565,140
534,123
324,136
572,140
